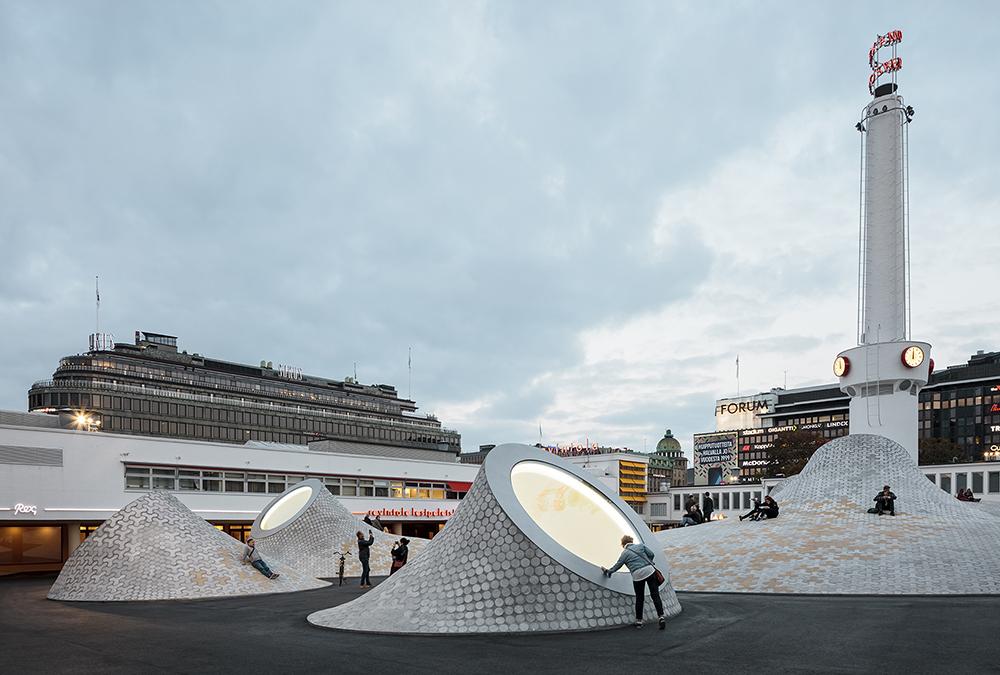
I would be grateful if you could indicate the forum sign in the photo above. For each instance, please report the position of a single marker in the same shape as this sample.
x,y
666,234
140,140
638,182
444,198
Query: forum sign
x,y
744,412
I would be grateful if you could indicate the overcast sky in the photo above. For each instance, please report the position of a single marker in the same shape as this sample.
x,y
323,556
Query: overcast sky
x,y
577,214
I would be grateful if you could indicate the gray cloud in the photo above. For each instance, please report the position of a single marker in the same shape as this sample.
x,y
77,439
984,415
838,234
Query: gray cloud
x,y
324,184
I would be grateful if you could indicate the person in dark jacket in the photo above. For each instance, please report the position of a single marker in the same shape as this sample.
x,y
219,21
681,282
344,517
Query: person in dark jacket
x,y
399,553
708,506
693,516
885,501
762,509
639,560
364,554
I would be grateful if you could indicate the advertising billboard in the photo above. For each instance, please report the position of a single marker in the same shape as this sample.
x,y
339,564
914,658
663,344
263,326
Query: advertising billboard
x,y
716,458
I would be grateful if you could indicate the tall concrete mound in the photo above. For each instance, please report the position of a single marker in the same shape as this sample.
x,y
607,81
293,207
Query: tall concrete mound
x,y
309,528
522,554
157,549
824,541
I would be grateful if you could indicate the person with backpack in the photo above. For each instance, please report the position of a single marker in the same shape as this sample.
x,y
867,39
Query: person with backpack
x,y
399,554
638,558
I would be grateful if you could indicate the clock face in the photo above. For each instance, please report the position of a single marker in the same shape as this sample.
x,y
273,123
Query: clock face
x,y
841,365
913,356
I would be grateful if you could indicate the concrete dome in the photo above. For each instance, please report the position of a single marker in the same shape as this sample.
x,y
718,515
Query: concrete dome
x,y
309,528
157,549
824,541
514,559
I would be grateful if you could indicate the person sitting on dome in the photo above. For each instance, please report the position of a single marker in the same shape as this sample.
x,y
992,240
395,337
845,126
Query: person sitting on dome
x,y
966,495
762,510
885,501
693,516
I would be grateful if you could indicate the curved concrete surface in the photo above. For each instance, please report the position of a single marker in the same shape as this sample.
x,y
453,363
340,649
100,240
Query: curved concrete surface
x,y
309,532
157,549
494,569
824,541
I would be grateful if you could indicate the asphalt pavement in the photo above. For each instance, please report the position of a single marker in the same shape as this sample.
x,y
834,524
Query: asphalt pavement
x,y
717,633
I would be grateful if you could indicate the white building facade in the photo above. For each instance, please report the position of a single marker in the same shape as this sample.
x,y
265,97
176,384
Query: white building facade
x,y
58,485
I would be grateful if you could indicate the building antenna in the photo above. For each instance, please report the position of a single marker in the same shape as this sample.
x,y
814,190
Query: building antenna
x,y
355,371
786,380
737,376
97,309
409,373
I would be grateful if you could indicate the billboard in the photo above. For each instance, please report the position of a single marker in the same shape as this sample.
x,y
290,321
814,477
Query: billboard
x,y
716,458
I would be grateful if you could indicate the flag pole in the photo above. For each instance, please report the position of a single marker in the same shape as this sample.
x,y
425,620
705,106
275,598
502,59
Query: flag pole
x,y
409,373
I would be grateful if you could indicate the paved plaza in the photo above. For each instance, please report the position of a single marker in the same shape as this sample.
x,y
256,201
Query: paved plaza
x,y
715,633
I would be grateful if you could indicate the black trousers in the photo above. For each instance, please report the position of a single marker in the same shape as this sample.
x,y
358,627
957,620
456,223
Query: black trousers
x,y
640,595
886,505
365,571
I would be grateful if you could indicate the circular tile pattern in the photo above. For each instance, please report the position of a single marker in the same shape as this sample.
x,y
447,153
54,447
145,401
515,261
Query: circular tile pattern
x,y
471,579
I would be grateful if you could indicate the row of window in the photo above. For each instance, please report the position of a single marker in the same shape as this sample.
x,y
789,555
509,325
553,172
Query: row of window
x,y
216,409
967,479
302,423
212,380
174,429
196,480
721,500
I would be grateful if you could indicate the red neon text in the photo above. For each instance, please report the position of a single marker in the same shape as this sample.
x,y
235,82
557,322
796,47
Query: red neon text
x,y
893,37
881,69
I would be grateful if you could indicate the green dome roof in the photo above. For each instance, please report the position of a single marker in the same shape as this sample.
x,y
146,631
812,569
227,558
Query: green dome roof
x,y
668,443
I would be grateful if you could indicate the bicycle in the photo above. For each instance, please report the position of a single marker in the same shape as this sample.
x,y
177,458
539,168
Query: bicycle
x,y
340,572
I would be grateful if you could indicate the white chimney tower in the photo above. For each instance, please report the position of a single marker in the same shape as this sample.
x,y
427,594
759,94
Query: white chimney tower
x,y
883,375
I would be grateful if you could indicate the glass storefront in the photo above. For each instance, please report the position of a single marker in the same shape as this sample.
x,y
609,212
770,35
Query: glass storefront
x,y
31,544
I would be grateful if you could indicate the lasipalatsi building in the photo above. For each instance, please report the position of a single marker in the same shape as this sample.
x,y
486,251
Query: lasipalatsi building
x,y
58,485
523,553
151,389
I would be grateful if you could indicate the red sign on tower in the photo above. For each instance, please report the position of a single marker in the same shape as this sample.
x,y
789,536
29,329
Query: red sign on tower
x,y
894,63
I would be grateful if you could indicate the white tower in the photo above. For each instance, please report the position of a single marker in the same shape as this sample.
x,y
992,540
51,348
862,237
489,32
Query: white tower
x,y
883,375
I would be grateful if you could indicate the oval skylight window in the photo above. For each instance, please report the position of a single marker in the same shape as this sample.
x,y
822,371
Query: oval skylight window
x,y
286,508
571,512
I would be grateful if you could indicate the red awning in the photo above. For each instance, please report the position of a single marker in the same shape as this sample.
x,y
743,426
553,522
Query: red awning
x,y
458,486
